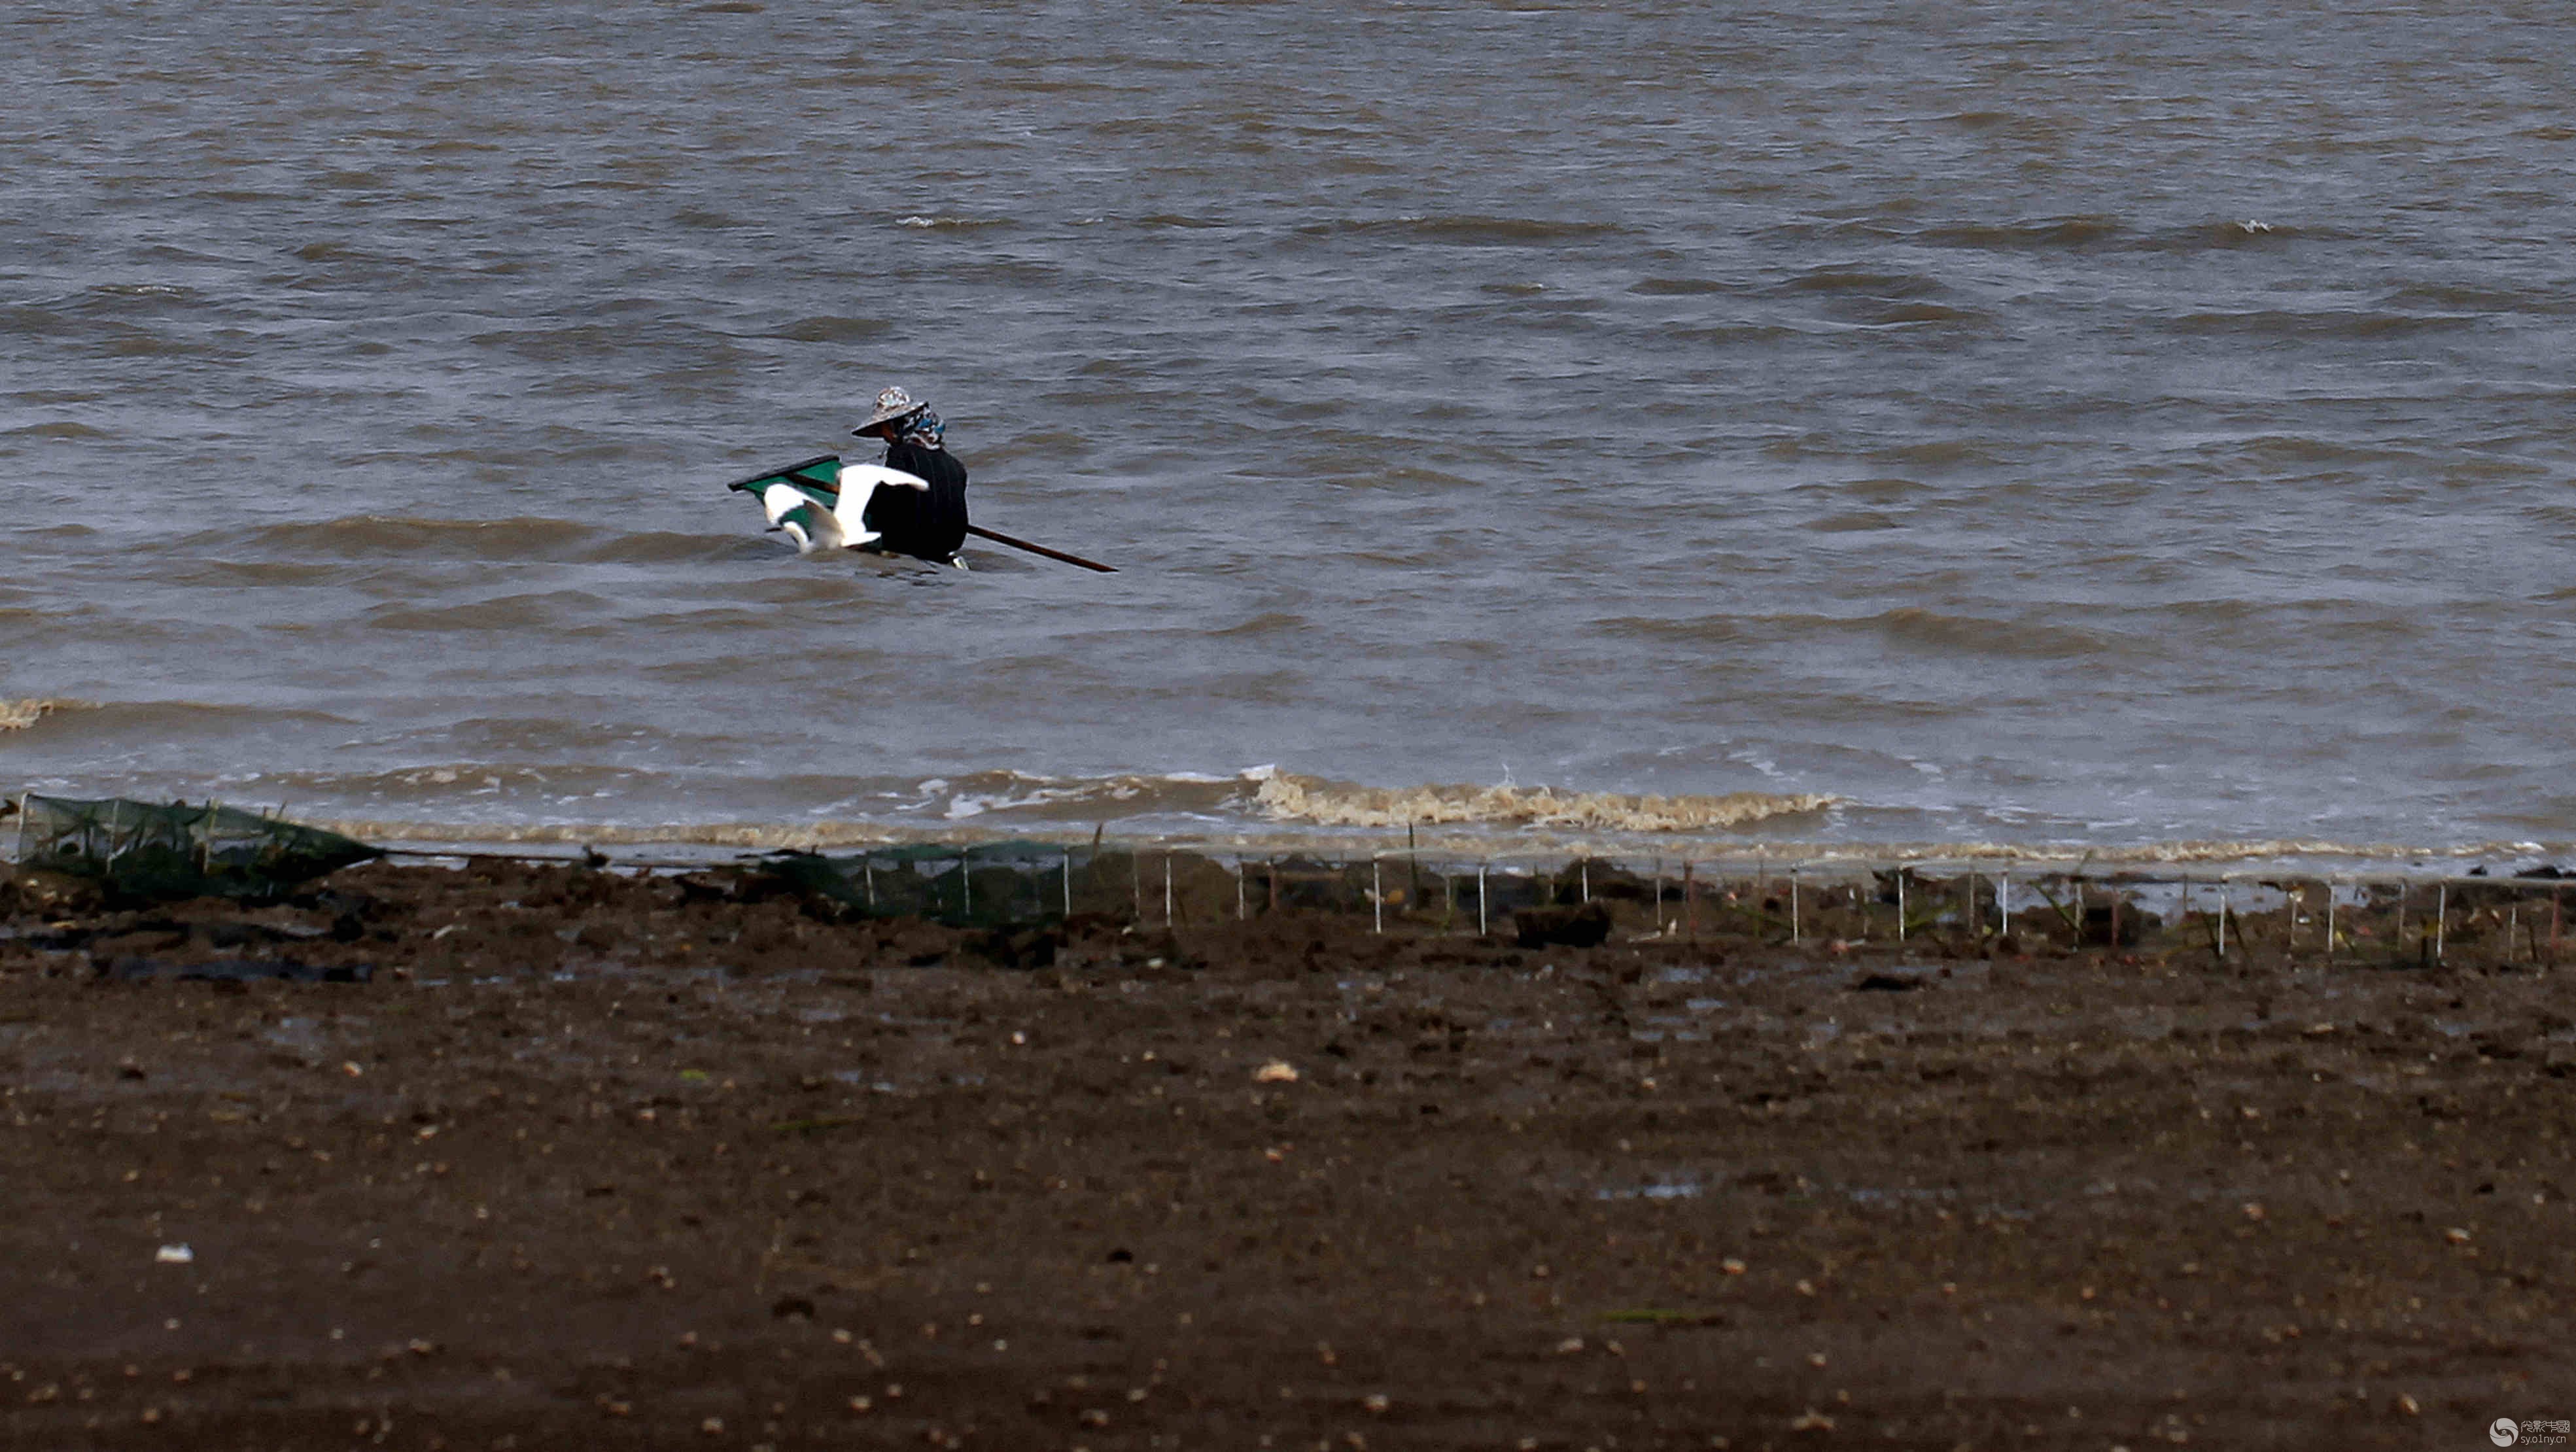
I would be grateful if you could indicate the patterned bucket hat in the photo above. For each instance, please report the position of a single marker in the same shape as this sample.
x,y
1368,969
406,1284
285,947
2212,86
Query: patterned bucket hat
x,y
892,404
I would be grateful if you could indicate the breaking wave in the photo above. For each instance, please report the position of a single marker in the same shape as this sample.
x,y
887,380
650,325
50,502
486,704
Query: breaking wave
x,y
1333,804
19,715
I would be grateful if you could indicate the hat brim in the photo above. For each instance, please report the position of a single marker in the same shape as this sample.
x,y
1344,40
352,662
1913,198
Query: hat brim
x,y
887,416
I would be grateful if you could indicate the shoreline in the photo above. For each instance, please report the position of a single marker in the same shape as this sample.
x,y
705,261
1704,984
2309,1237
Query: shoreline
x,y
675,1160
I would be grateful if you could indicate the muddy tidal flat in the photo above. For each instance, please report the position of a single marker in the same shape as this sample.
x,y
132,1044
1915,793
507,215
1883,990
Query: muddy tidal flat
x,y
527,1157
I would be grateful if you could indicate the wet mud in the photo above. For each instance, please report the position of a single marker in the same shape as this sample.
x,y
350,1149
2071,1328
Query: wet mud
x,y
520,1157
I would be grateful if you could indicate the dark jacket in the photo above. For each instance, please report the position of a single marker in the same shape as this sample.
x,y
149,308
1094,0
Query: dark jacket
x,y
930,524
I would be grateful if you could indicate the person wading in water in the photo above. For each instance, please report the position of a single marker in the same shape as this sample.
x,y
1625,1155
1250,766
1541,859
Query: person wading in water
x,y
929,522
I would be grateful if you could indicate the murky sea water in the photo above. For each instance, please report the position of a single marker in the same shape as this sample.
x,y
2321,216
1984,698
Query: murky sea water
x,y
1857,422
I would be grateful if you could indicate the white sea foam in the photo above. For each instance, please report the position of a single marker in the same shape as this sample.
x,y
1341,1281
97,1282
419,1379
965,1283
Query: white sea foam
x,y
19,715
1334,804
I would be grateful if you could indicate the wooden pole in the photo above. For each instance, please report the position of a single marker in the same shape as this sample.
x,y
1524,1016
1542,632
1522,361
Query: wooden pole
x,y
1038,549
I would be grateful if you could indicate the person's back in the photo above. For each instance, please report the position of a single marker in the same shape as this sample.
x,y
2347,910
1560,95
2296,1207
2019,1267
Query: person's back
x,y
929,522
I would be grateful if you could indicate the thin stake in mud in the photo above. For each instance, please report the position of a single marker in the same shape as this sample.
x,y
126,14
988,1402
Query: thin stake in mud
x,y
1481,929
1900,902
1167,889
1659,897
1136,884
965,886
1793,905
1585,868
1377,895
2441,917
1238,887
2003,903
2222,918
2330,920
868,870
1068,882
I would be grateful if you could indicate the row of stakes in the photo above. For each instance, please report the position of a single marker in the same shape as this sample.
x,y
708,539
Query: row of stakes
x,y
1903,877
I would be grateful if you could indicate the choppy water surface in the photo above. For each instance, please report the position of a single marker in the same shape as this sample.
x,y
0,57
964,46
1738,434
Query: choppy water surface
x,y
2011,422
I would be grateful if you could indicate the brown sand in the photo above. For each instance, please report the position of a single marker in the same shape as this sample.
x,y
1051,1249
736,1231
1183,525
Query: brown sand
x,y
605,1161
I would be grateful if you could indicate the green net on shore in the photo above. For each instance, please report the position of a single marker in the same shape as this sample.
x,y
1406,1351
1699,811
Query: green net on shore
x,y
162,851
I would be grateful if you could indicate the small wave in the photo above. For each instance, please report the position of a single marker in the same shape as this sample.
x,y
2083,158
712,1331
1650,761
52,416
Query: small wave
x,y
554,608
660,547
1854,522
1863,284
1934,454
2225,234
944,223
1268,622
23,318
2454,298
1989,120
380,536
1917,629
2054,232
58,429
1899,314
2358,323
831,328
1469,230
1334,804
1678,286
165,721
